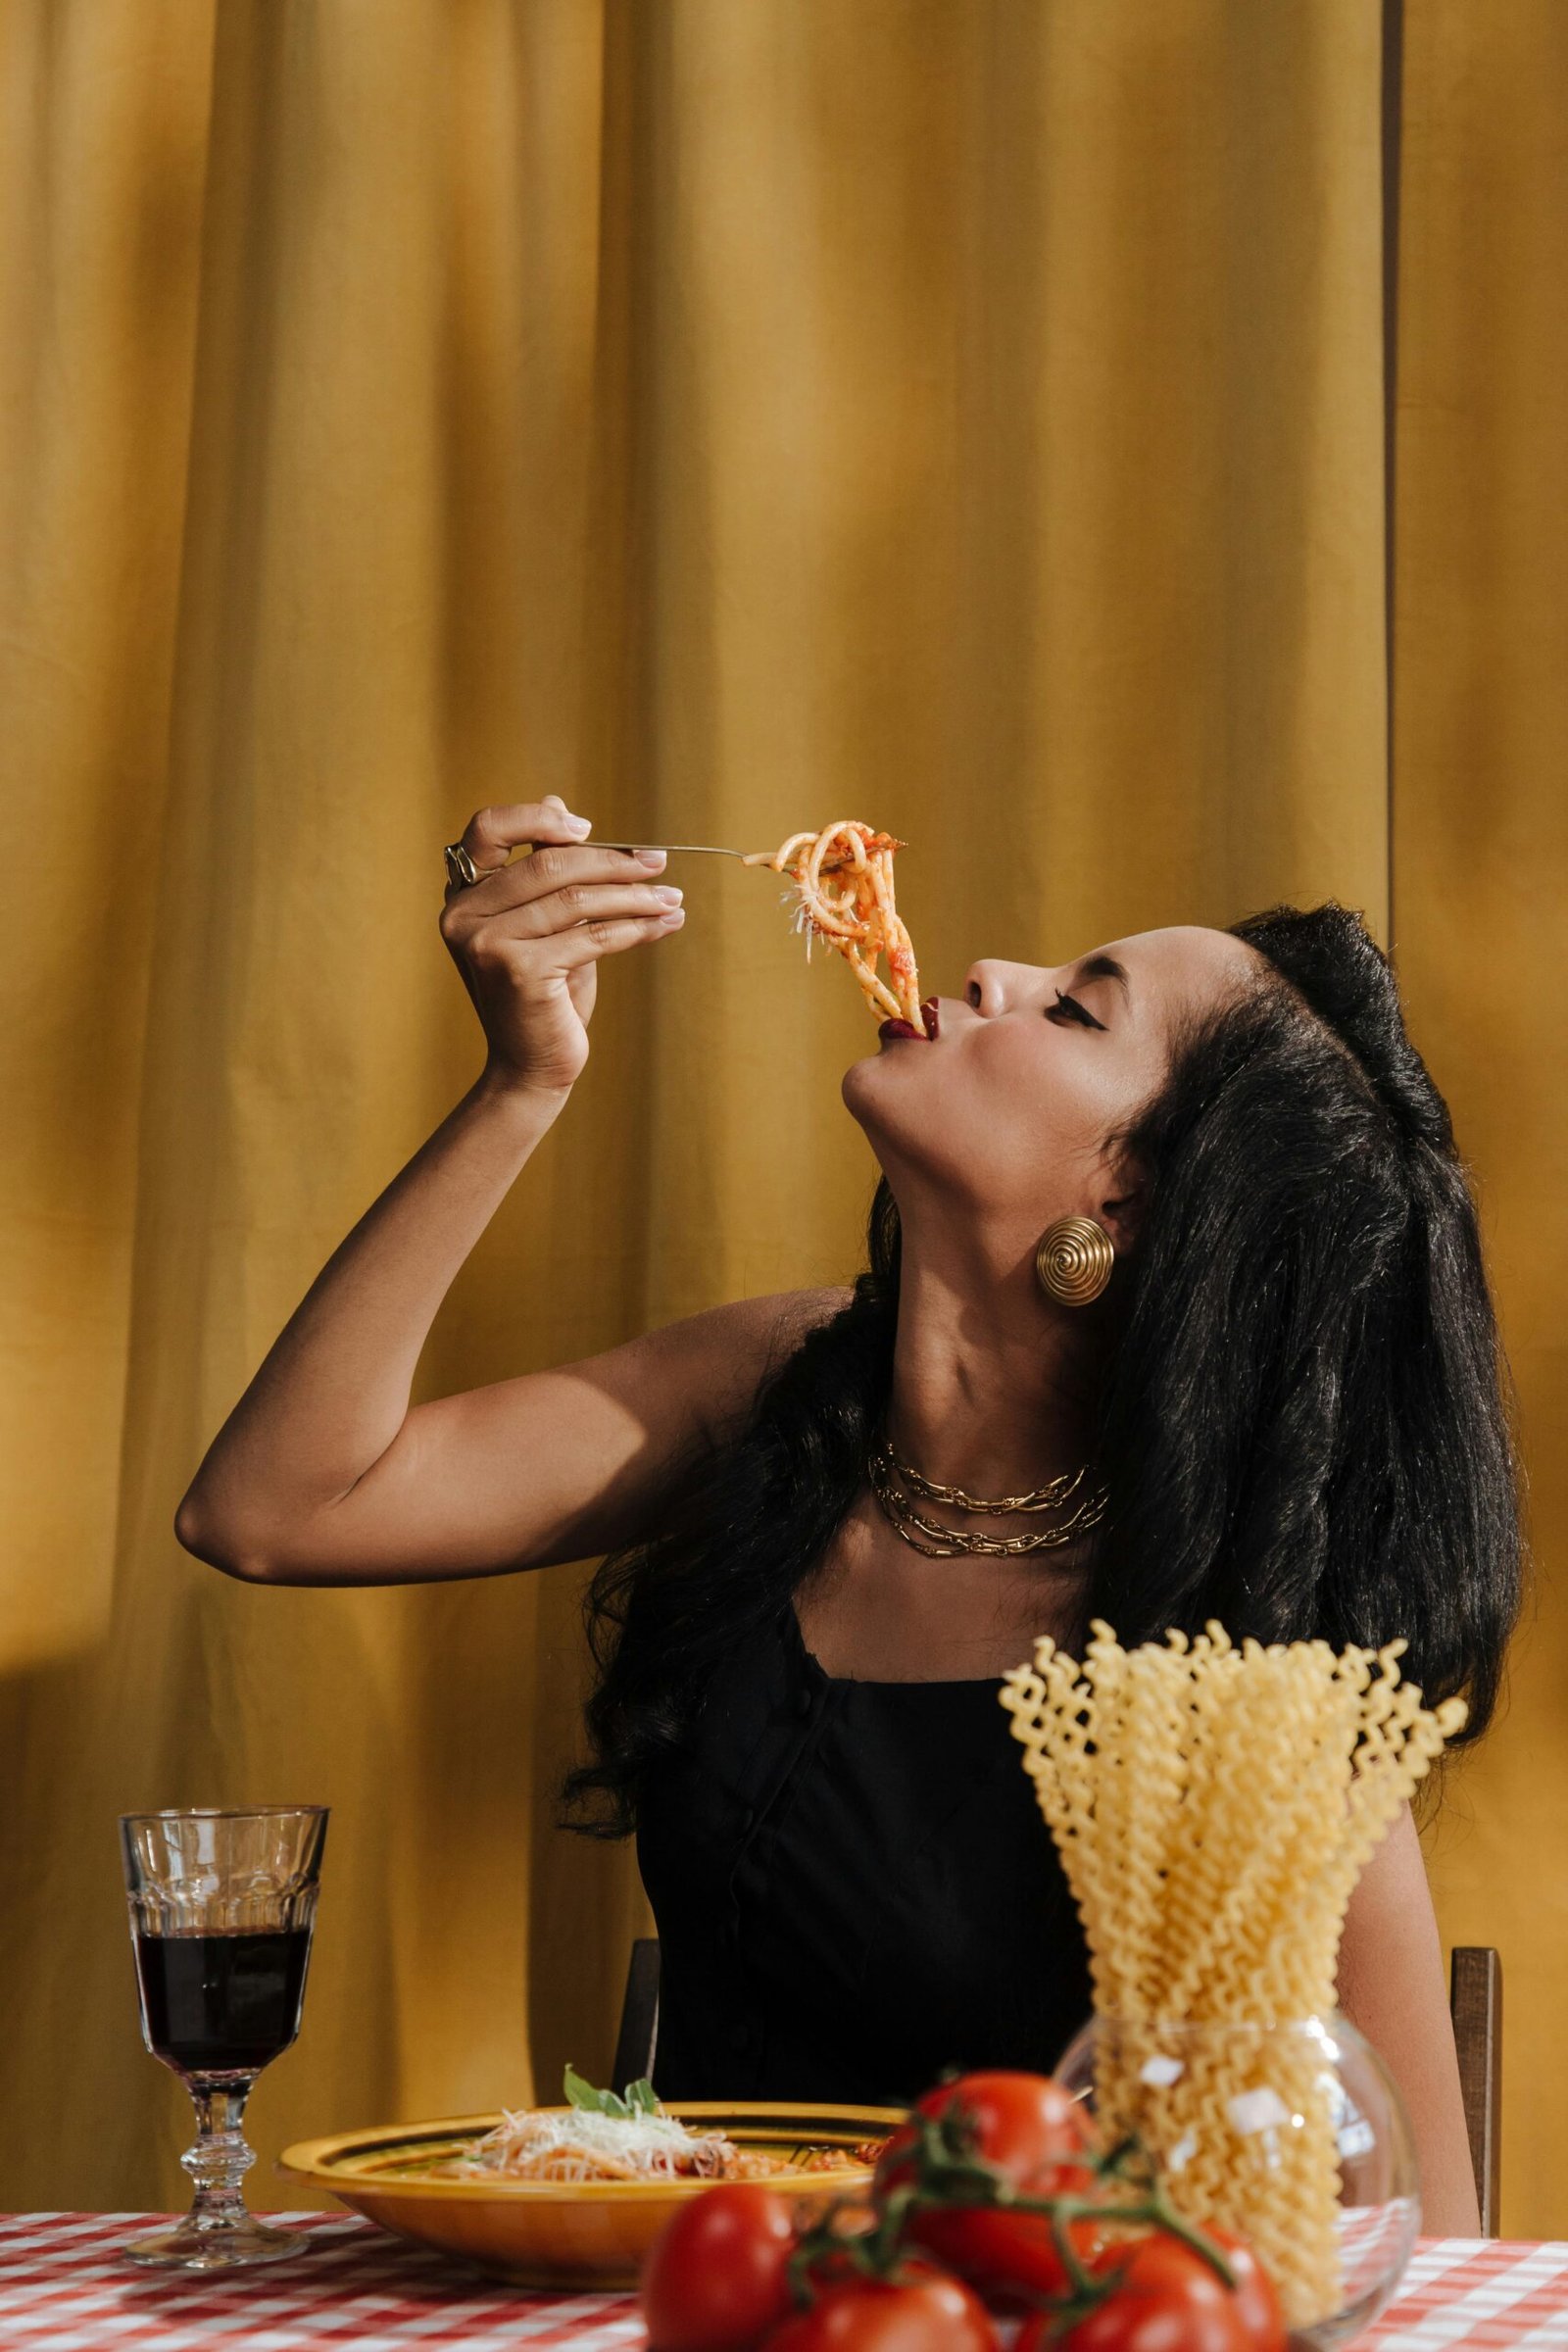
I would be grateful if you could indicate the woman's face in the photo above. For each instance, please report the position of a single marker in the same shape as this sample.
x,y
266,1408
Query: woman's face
x,y
1007,1103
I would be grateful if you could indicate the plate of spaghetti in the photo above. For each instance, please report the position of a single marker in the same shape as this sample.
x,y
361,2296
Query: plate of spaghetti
x,y
573,2197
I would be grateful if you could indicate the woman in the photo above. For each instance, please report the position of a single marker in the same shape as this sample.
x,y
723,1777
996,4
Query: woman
x,y
1280,1409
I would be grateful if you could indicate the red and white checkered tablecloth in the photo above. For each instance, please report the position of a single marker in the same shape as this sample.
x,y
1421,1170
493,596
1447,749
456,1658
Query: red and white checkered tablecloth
x,y
64,2285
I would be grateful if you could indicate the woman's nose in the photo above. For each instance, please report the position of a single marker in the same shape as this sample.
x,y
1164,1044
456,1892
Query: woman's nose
x,y
991,986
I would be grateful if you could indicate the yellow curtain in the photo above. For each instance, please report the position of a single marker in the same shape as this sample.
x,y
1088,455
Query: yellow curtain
x,y
1480,834
970,416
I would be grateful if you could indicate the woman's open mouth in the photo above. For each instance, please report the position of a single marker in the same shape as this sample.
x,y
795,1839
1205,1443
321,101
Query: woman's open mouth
x,y
928,1014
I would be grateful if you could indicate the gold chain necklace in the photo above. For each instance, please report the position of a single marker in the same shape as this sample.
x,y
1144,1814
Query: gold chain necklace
x,y
894,1483
1050,1496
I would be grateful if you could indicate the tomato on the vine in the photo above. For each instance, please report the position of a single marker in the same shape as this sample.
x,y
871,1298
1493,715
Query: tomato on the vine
x,y
1258,2306
1165,2297
919,2309
1026,2124
717,2277
1037,2136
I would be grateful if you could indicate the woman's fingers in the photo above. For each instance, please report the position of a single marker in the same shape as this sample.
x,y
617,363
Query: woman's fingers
x,y
581,902
558,866
492,834
588,942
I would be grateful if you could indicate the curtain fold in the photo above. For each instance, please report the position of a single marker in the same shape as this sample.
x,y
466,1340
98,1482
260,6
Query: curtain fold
x,y
971,418
1481,852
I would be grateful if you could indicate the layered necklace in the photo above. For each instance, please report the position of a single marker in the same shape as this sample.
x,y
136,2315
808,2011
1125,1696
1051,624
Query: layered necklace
x,y
899,1488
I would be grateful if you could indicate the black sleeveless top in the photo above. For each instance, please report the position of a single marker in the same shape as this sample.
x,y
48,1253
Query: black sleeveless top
x,y
854,1888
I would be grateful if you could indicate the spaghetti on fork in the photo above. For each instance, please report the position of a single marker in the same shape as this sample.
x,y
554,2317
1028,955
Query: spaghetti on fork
x,y
843,878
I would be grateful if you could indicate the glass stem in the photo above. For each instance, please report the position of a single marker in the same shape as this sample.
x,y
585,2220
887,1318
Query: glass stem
x,y
222,2157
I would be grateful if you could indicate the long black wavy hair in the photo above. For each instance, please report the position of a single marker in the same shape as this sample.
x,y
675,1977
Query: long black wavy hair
x,y
1303,1425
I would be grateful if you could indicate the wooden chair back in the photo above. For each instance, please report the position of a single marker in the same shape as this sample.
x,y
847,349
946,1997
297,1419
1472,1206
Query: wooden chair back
x,y
638,2039
1474,2000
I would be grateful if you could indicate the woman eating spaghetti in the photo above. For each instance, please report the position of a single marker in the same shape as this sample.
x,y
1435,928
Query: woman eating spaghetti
x,y
1175,1311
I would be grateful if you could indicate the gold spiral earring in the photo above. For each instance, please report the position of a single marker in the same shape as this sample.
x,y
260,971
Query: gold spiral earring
x,y
1073,1261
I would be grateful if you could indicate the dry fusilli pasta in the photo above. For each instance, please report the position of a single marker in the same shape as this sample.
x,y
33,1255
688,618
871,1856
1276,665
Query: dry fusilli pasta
x,y
1213,1805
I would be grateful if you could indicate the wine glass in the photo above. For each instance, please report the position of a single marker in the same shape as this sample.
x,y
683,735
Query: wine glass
x,y
221,1907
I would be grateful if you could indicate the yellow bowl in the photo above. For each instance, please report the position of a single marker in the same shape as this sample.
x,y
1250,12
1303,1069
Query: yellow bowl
x,y
563,2233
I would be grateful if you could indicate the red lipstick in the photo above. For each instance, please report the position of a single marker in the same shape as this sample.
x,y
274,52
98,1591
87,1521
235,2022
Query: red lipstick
x,y
931,1017
898,1029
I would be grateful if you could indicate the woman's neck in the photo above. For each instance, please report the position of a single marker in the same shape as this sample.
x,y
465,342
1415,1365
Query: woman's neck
x,y
991,1383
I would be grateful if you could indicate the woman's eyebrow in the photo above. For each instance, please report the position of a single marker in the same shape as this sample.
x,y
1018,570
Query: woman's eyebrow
x,y
1105,968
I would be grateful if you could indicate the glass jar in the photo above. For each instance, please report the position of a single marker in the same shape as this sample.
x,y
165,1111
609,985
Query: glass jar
x,y
1293,2135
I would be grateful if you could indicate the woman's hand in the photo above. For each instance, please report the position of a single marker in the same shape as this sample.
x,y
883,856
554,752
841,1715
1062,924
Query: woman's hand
x,y
527,939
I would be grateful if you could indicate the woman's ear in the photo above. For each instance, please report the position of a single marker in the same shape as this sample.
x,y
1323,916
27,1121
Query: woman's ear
x,y
1122,1211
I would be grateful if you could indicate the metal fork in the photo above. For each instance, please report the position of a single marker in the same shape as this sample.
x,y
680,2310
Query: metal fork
x,y
677,849
701,849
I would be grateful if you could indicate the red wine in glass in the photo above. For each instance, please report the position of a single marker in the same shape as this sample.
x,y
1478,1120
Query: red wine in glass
x,y
222,1904
225,2003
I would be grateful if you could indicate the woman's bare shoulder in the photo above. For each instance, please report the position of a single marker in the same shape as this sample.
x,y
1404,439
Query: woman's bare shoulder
x,y
728,1352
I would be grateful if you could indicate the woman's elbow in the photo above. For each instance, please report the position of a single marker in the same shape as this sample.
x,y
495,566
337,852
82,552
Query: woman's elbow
x,y
207,1541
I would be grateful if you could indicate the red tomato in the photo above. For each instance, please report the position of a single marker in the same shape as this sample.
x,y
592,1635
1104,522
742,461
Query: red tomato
x,y
1169,2299
1258,2306
1028,2127
922,2310
1008,2258
717,2277
1024,2122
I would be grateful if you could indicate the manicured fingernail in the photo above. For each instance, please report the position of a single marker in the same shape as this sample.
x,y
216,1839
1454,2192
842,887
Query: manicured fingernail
x,y
579,824
673,916
670,896
652,858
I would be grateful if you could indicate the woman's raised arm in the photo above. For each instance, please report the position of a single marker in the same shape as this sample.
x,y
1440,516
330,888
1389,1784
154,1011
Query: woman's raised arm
x,y
555,1465
322,1473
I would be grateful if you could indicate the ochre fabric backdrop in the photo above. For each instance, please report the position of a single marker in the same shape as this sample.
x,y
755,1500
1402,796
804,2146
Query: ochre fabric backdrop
x,y
966,415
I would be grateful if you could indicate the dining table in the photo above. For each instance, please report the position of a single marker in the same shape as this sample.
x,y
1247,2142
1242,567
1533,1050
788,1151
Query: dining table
x,y
65,2283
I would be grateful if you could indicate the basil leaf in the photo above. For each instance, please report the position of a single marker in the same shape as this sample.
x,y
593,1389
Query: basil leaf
x,y
587,2101
642,2098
